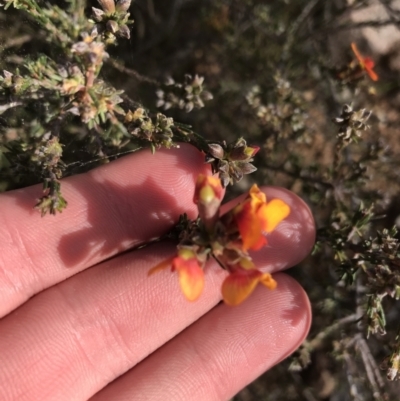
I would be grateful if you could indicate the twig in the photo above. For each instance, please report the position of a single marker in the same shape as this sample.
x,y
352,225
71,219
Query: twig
x,y
371,368
132,73
300,177
320,337
295,27
359,25
7,106
350,375
15,42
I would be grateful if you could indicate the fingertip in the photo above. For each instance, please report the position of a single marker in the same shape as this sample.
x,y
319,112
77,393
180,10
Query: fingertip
x,y
297,316
294,237
223,351
278,319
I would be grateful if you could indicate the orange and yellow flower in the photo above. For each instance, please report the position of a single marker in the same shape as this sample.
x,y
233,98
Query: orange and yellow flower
x,y
365,63
255,216
191,275
208,188
242,281
242,230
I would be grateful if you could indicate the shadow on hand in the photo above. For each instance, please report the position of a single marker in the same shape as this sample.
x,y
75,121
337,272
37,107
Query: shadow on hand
x,y
133,217
121,205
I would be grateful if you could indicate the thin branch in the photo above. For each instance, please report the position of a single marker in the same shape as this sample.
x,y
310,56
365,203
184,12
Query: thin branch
x,y
297,176
371,368
295,26
16,42
317,341
359,25
351,373
132,73
7,106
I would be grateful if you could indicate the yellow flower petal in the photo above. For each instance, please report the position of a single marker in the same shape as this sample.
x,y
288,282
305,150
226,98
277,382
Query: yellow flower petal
x,y
273,213
191,275
257,195
191,280
268,281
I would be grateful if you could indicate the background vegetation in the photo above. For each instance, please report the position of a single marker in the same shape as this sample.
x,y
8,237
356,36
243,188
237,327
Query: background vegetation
x,y
80,86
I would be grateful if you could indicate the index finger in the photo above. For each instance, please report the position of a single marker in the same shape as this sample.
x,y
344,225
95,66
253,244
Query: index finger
x,y
111,209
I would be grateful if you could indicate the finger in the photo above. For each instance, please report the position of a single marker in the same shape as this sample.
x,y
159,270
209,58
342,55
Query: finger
x,y
72,339
110,209
91,328
222,352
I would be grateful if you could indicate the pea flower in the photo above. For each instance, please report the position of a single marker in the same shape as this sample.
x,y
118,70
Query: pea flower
x,y
227,239
242,282
365,63
255,216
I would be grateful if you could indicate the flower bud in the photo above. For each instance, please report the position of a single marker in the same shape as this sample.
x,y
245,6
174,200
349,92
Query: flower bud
x,y
123,5
251,151
243,152
112,26
97,14
124,32
208,196
107,5
247,168
216,150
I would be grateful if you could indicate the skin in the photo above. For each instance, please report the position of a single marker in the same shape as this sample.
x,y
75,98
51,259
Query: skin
x,y
82,320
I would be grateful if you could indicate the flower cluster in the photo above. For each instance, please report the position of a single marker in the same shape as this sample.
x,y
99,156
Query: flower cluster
x,y
352,123
231,161
187,95
156,130
113,19
227,239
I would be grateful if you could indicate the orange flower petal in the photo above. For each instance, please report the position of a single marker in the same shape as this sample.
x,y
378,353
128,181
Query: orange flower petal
x,y
360,58
191,275
272,214
366,63
254,217
257,195
239,285
249,226
191,280
268,281
161,266
371,73
208,189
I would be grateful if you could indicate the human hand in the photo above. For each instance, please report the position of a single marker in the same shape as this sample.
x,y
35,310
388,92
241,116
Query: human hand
x,y
82,319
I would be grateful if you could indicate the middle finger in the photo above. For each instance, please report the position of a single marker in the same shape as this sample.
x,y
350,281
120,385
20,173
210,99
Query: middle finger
x,y
69,341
